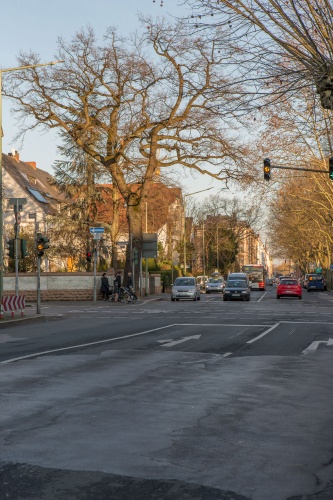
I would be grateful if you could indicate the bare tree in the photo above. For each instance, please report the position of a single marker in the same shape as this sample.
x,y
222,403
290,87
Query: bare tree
x,y
285,45
132,113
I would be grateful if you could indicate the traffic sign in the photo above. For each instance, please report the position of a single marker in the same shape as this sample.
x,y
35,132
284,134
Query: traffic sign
x,y
331,266
97,229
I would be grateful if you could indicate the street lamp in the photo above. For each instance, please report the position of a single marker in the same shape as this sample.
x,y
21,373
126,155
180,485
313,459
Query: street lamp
x,y
7,70
184,239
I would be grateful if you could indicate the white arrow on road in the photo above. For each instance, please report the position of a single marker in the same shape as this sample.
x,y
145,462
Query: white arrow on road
x,y
314,346
170,342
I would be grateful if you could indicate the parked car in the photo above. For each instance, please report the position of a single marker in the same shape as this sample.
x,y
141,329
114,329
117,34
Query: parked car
x,y
185,288
314,282
215,285
236,290
289,288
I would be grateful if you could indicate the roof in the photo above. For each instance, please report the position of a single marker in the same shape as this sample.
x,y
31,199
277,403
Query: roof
x,y
161,198
34,181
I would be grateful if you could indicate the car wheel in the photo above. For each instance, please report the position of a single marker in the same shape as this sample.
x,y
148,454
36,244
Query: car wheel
x,y
207,292
224,298
172,299
278,296
308,289
248,298
198,298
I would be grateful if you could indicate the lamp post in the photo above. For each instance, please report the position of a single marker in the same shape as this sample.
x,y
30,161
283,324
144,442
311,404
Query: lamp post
x,y
184,239
7,70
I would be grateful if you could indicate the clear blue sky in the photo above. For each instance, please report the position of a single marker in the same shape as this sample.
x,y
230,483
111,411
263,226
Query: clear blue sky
x,y
36,25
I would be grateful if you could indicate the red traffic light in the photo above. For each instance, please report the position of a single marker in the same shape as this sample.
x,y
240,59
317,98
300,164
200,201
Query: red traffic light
x,y
88,256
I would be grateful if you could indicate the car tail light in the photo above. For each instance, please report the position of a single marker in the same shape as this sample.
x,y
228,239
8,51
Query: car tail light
x,y
261,283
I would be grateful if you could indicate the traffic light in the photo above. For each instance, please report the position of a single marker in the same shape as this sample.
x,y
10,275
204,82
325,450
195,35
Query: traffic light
x,y
42,244
330,166
23,248
11,248
267,169
88,256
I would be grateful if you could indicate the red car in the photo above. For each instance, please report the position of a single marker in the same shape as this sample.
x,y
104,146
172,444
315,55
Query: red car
x,y
289,288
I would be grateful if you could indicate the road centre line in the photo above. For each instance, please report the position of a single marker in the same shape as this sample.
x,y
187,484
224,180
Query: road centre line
x,y
262,297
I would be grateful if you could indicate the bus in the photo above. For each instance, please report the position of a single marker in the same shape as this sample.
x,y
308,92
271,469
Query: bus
x,y
257,276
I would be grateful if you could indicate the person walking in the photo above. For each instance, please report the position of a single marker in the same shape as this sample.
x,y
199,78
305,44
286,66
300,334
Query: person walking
x,y
105,287
117,285
129,282
130,287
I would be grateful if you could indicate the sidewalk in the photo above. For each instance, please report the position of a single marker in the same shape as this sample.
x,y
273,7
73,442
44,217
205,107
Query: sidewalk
x,y
57,309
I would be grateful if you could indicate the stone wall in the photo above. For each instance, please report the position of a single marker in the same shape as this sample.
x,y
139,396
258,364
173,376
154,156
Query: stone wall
x,y
64,286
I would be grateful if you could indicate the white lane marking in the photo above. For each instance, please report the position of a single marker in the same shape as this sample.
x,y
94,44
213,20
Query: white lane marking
x,y
292,331
314,345
262,297
263,334
83,345
226,354
184,339
238,333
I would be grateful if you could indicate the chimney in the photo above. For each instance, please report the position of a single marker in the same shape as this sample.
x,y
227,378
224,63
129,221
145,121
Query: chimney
x,y
32,164
16,156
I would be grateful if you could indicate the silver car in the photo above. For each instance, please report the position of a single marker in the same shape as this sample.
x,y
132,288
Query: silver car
x,y
215,285
185,288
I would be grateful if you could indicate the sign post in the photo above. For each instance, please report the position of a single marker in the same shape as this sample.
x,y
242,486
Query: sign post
x,y
97,234
149,250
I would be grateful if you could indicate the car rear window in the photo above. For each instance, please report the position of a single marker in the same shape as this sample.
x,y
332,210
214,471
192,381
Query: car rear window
x,y
185,282
289,282
236,284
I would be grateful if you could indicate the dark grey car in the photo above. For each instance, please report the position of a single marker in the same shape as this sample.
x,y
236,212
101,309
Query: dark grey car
x,y
237,290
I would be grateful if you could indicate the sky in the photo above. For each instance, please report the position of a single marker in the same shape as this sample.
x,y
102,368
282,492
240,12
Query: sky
x,y
36,25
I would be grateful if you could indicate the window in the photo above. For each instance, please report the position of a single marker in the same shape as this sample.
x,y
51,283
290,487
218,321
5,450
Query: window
x,y
36,194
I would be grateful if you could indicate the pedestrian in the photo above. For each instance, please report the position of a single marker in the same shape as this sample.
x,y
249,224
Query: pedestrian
x,y
117,285
105,287
129,282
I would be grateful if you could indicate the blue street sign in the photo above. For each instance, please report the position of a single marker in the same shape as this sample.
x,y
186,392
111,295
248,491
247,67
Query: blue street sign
x,y
97,229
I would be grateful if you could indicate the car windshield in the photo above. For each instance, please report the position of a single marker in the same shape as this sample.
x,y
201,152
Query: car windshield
x,y
185,282
289,282
215,280
236,284
315,278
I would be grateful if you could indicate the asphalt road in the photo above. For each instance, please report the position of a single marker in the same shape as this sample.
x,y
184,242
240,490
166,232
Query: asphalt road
x,y
170,400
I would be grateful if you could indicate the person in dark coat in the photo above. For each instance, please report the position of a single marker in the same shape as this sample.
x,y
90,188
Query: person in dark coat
x,y
105,286
129,282
117,285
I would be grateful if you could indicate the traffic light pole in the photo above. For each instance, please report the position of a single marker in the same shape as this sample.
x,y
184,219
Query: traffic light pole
x,y
302,169
16,264
38,286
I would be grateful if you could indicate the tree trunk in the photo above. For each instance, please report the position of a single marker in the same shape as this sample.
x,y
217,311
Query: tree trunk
x,y
134,215
115,225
